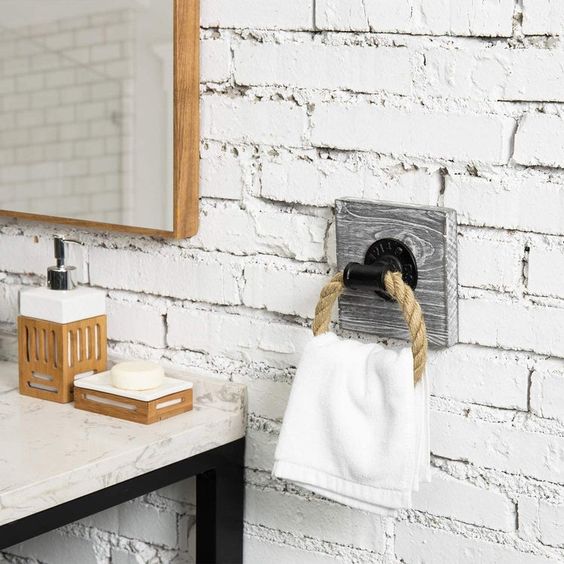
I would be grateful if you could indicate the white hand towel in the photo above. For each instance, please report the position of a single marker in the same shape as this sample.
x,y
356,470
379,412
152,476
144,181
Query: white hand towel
x,y
356,428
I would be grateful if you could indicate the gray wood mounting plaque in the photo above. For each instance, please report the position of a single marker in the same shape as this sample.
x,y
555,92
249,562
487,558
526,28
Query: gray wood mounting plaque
x,y
430,233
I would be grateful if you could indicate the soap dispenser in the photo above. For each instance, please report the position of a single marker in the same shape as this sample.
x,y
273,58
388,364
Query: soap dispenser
x,y
62,332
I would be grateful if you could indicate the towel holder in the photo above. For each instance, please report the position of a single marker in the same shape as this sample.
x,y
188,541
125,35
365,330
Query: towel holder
x,y
390,269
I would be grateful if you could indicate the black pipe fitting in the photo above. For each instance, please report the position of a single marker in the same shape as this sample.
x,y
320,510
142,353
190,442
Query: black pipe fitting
x,y
385,255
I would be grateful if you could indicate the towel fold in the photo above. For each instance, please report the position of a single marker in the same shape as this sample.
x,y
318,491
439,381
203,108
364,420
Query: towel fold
x,y
356,429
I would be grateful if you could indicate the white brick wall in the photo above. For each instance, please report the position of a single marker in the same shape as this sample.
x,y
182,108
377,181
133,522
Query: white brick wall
x,y
312,65
425,101
426,17
366,127
543,17
540,140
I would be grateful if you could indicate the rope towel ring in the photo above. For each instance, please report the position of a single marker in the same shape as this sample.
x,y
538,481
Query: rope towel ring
x,y
397,289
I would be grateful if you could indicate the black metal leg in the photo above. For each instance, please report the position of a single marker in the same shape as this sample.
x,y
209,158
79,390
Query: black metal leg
x,y
220,496
220,499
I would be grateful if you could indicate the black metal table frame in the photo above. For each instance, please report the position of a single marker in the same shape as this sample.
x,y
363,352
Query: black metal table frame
x,y
219,503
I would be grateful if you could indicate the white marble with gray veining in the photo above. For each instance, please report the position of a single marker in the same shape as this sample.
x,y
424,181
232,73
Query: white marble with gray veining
x,y
52,453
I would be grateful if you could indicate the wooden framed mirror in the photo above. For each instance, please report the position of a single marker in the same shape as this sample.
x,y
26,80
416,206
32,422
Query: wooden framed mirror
x,y
99,114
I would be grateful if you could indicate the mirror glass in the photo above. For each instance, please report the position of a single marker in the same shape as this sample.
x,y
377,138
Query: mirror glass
x,y
86,110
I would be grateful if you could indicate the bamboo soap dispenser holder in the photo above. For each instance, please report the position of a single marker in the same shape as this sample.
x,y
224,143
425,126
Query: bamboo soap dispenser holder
x,y
62,333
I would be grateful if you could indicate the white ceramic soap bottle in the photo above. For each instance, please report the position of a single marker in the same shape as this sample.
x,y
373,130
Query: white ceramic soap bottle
x,y
62,332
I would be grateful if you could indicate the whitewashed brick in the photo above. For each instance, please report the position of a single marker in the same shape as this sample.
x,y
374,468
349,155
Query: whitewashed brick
x,y
499,256
342,16
479,375
262,14
535,74
236,336
529,205
547,389
259,551
107,520
260,448
494,73
452,136
33,255
307,183
9,302
543,17
215,60
122,557
255,231
172,275
498,446
312,65
242,120
413,186
54,548
512,325
135,322
426,17
551,524
183,492
528,518
465,502
221,175
546,269
314,518
419,545
141,521
25,255
266,398
282,291
540,140
297,236
321,182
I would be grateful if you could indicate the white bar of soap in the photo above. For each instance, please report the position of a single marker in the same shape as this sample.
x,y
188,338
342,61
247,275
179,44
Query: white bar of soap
x,y
137,375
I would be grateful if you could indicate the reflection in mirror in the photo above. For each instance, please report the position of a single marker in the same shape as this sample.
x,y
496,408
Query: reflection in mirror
x,y
86,110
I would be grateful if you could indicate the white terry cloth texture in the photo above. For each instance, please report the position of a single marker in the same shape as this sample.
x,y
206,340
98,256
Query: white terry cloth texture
x,y
356,429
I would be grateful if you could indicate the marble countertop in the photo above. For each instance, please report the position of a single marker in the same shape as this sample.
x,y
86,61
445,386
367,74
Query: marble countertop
x,y
52,453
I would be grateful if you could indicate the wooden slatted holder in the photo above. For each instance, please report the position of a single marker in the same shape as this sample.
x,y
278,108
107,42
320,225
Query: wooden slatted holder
x,y
130,409
98,394
52,354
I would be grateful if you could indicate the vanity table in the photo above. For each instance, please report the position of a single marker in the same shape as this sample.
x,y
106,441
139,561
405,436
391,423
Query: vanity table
x,y
59,464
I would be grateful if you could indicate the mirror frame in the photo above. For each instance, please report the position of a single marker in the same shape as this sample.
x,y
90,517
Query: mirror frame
x,y
186,136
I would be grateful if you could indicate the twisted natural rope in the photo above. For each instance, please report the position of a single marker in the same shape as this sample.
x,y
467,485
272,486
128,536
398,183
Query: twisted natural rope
x,y
402,293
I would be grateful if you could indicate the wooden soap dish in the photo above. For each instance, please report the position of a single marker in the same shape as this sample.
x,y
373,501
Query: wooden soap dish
x,y
96,394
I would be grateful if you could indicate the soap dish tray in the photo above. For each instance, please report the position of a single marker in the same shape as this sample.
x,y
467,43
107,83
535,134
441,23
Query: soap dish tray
x,y
97,394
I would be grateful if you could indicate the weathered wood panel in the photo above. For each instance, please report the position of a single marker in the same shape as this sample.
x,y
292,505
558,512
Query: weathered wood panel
x,y
431,234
